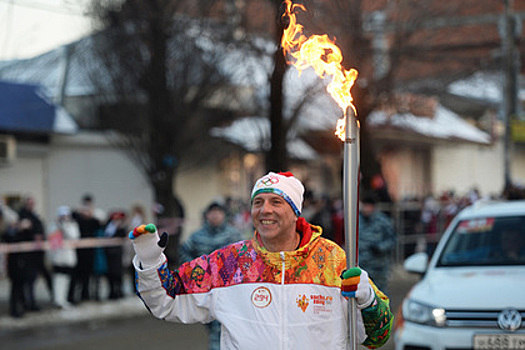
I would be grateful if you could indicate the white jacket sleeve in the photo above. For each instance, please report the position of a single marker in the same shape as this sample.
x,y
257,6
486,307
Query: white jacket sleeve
x,y
164,295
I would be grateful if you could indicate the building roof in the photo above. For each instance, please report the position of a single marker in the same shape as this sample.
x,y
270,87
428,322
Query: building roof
x,y
479,86
444,125
78,69
48,70
253,134
319,113
26,108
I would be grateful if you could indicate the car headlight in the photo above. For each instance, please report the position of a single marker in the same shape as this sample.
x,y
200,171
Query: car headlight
x,y
423,314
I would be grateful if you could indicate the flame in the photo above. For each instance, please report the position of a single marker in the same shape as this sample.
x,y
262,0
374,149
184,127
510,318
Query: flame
x,y
324,56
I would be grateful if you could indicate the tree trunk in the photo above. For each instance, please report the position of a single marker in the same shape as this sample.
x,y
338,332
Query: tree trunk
x,y
164,194
277,157
162,116
369,163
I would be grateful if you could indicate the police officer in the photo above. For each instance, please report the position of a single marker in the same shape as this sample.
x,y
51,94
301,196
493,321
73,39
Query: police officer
x,y
377,239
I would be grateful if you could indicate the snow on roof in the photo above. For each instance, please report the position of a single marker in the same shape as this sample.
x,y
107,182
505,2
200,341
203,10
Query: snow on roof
x,y
444,125
483,86
87,73
317,110
320,112
480,86
64,123
47,69
253,134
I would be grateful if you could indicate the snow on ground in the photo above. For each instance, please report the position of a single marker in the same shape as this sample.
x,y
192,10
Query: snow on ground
x,y
49,315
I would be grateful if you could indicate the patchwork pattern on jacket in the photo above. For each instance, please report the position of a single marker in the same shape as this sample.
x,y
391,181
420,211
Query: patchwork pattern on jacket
x,y
319,261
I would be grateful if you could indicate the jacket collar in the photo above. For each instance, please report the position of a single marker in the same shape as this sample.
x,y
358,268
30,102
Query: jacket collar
x,y
309,237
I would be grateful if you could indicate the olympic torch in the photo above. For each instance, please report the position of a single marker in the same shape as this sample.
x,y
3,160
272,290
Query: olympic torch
x,y
351,206
321,54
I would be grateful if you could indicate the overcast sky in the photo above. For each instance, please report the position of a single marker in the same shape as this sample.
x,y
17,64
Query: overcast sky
x,y
32,27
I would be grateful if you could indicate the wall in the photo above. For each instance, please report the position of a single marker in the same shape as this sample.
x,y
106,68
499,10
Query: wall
x,y
461,166
517,166
197,189
414,170
406,170
25,175
86,163
62,172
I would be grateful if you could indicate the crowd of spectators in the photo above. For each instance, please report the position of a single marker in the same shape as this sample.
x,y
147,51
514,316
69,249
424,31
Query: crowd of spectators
x,y
71,259
73,272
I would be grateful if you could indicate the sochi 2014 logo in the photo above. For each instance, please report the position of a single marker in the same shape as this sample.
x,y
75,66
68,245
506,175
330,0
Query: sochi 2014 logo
x,y
261,297
319,303
302,302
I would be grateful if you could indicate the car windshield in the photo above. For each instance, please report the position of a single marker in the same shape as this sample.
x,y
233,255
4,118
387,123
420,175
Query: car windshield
x,y
486,241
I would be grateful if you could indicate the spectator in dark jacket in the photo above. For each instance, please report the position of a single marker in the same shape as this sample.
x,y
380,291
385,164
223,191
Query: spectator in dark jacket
x,y
214,234
115,228
88,223
31,228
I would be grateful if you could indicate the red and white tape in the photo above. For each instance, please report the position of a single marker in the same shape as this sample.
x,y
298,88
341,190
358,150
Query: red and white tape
x,y
31,246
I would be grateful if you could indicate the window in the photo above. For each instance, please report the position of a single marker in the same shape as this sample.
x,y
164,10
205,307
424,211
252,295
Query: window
x,y
486,241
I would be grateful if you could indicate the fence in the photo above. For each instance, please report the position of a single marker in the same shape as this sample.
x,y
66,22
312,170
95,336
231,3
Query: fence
x,y
406,216
412,234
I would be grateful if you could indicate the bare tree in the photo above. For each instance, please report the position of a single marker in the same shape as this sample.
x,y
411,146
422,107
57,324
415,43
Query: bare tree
x,y
277,156
400,46
397,46
417,46
160,81
282,113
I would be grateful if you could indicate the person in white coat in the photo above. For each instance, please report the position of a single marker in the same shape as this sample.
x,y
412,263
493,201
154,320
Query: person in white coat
x,y
63,257
287,288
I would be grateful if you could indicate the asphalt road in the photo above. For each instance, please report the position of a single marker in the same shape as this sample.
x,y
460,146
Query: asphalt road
x,y
141,331
144,333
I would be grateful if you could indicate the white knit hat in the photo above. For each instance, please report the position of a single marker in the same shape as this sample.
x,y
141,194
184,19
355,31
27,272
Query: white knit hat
x,y
63,210
284,185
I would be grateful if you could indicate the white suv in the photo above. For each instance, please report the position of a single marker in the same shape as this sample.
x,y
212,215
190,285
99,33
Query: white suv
x,y
472,293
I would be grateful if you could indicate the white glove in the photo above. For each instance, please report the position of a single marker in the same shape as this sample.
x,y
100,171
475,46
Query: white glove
x,y
355,284
148,246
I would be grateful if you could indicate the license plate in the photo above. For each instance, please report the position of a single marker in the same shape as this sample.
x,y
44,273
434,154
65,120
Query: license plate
x,y
499,341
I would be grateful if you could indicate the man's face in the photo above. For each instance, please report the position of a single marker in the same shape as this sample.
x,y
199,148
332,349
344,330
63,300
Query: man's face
x,y
30,203
273,217
215,217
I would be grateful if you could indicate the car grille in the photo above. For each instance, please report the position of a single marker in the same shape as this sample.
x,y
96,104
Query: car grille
x,y
476,319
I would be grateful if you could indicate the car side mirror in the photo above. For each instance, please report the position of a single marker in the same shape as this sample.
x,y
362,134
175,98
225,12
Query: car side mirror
x,y
416,263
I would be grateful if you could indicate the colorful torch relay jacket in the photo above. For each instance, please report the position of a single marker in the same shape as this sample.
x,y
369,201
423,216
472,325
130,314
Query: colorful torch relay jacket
x,y
266,300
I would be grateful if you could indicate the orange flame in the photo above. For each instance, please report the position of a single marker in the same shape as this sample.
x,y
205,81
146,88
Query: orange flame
x,y
324,56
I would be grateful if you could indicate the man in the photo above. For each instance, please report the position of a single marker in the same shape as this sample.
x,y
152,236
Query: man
x,y
31,228
214,234
16,262
377,240
115,228
279,290
89,220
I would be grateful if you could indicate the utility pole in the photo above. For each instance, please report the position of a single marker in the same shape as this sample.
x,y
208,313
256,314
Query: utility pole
x,y
510,89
